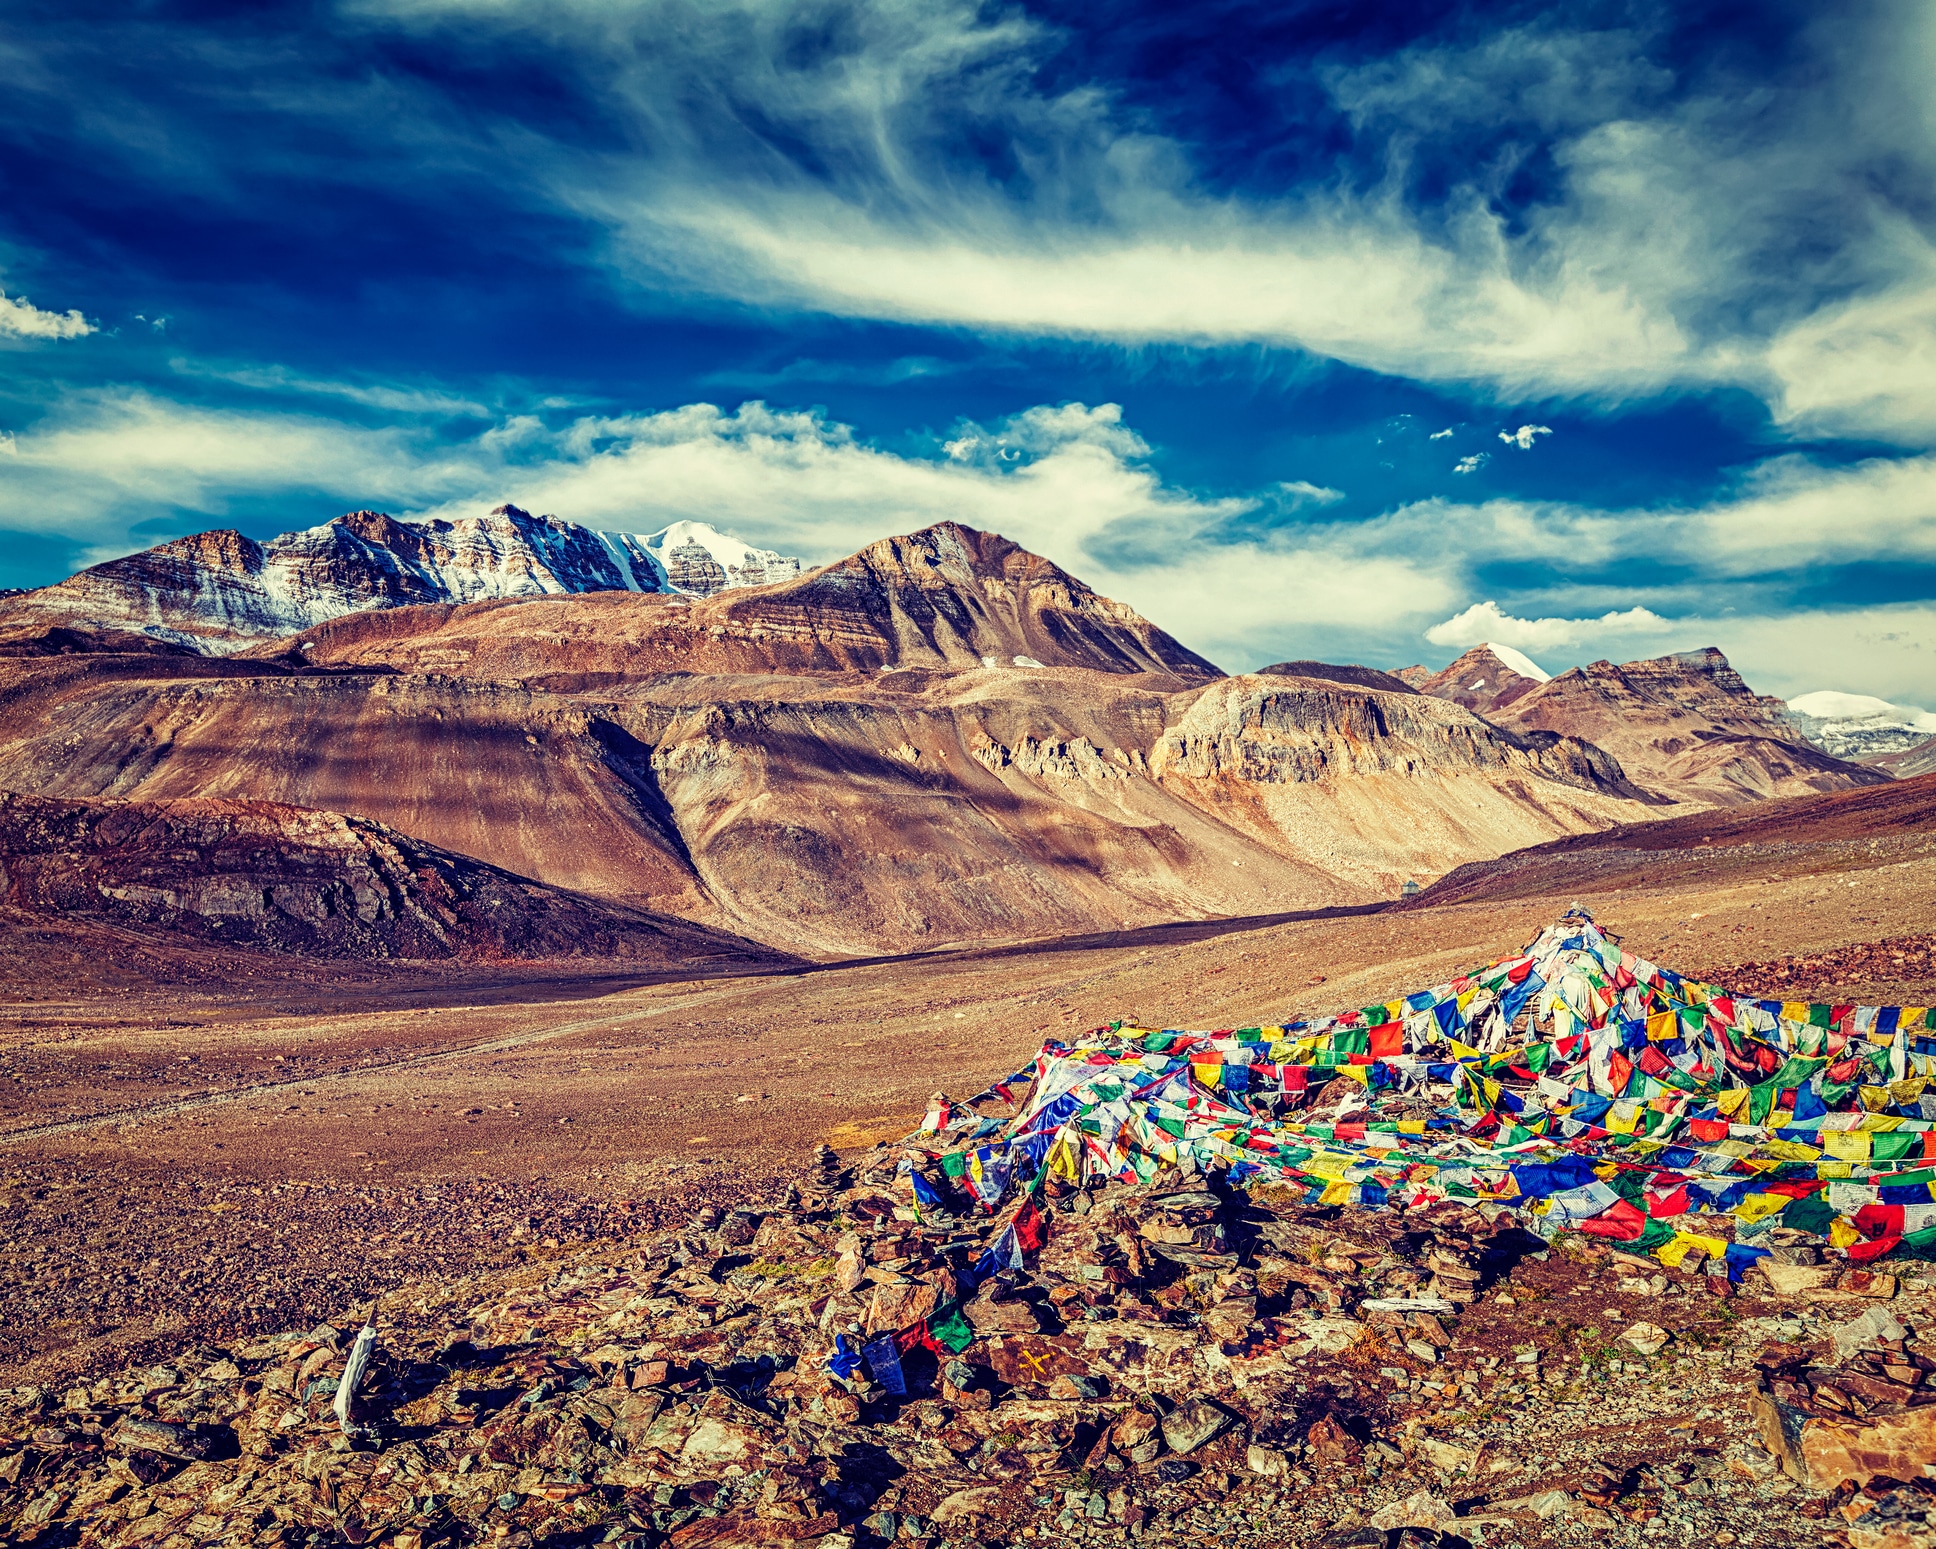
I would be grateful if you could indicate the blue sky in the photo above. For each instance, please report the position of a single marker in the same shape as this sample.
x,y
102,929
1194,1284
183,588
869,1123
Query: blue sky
x,y
1310,330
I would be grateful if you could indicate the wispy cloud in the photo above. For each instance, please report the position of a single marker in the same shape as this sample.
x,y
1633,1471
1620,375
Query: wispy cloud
x,y
389,396
909,368
1695,227
1473,463
1523,437
21,318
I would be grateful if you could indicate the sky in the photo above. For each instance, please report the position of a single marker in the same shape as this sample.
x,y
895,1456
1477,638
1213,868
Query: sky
x,y
1348,331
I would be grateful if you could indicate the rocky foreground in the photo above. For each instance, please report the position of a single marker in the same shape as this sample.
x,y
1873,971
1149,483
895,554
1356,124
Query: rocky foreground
x,y
1173,1364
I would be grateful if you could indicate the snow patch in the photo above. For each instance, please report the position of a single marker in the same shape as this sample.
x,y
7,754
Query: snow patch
x,y
1520,663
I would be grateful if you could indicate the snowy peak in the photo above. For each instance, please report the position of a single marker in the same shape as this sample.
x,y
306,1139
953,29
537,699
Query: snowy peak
x,y
1485,679
1524,665
221,591
694,557
1859,726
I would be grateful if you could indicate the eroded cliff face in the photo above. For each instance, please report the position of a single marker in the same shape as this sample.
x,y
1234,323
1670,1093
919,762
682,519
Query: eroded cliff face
x,y
261,875
1375,788
1686,727
840,815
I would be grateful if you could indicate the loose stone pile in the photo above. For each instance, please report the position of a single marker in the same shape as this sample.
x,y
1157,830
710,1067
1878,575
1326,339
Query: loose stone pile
x,y
1176,1359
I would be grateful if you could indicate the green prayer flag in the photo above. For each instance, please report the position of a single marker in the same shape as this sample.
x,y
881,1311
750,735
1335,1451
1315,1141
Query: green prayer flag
x,y
1813,1214
950,1328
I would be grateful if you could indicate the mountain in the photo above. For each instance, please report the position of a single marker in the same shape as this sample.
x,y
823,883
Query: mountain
x,y
1919,759
946,599
943,738
1858,726
1684,727
1332,672
1803,835
1485,679
258,875
221,591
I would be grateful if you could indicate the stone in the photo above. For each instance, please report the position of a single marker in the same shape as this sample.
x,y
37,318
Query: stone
x,y
1035,1361
1548,1504
1192,1423
1834,1452
1330,1443
896,1307
715,1442
1420,1509
1443,1455
1795,1279
1645,1338
1870,1327
1266,1462
1866,1282
968,1504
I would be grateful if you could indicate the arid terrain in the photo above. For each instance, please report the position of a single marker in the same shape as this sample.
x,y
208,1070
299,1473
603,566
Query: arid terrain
x,y
307,1137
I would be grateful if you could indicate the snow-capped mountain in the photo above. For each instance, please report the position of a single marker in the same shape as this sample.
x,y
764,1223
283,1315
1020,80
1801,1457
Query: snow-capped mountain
x,y
1859,726
220,590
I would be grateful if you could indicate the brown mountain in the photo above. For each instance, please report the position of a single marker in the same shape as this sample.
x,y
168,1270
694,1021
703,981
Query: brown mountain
x,y
852,761
1481,680
1910,762
1685,727
948,599
1801,835
258,875
1333,672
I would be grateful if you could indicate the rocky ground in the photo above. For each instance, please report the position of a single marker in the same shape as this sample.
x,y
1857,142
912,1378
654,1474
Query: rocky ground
x,y
671,1387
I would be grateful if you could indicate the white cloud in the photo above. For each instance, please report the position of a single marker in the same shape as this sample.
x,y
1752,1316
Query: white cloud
x,y
1440,435
374,395
1076,483
1693,227
1299,493
1523,437
20,317
1473,463
1486,621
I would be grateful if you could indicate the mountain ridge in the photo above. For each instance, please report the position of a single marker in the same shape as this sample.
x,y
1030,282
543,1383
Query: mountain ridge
x,y
221,590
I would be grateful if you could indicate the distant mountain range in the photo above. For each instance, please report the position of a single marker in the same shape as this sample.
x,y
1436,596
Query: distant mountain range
x,y
221,591
1684,726
941,738
1897,738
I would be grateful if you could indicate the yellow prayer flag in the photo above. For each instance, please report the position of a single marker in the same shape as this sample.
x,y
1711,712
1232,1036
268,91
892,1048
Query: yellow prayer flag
x,y
1663,1025
1733,1104
1851,1145
1755,1206
1841,1234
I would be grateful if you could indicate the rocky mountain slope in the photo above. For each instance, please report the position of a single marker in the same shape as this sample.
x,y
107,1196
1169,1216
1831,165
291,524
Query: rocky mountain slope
x,y
944,738
1685,727
1919,759
1335,672
946,599
261,875
1793,836
221,590
1485,679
